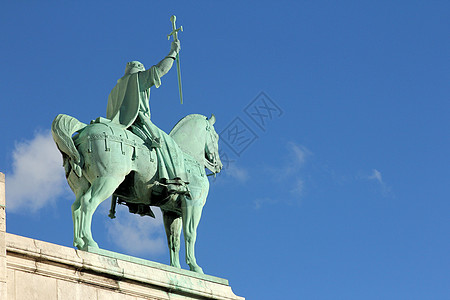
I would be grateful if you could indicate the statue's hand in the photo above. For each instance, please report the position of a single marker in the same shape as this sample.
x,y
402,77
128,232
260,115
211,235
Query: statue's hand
x,y
175,47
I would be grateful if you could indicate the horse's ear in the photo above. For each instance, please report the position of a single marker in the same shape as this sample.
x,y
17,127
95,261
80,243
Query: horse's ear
x,y
212,120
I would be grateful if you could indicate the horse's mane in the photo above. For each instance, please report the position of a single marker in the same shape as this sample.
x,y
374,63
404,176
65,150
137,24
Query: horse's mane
x,y
183,121
186,136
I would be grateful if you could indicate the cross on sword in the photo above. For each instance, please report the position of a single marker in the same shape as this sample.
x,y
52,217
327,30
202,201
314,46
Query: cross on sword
x,y
174,33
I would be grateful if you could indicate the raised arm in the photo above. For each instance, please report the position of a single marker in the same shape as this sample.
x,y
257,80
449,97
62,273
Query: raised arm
x,y
165,64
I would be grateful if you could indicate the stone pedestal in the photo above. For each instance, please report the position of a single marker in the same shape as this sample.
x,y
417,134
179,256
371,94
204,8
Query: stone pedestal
x,y
40,270
36,270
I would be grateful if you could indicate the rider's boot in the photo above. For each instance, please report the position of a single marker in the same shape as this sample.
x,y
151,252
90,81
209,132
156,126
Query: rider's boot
x,y
177,186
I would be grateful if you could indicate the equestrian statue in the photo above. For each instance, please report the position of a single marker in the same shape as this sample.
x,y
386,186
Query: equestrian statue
x,y
126,157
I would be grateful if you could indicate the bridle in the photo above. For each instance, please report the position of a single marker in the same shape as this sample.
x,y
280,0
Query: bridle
x,y
214,165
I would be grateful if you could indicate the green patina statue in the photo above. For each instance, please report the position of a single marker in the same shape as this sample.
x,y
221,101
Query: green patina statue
x,y
129,158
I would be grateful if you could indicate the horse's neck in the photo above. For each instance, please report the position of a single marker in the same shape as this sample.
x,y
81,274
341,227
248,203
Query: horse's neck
x,y
196,150
192,141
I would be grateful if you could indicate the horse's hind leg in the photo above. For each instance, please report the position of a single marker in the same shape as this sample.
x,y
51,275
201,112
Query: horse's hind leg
x,y
172,223
79,186
76,217
101,189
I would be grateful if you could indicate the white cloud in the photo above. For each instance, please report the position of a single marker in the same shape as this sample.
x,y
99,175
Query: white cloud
x,y
297,156
376,175
37,177
298,187
300,153
238,173
231,172
290,174
263,201
136,234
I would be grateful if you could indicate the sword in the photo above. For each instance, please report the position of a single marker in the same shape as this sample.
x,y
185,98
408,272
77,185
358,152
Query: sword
x,y
175,38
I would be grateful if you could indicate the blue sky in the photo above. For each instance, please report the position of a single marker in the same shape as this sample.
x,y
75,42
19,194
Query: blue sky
x,y
338,189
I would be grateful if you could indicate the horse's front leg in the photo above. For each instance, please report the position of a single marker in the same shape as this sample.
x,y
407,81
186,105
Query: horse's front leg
x,y
172,224
191,214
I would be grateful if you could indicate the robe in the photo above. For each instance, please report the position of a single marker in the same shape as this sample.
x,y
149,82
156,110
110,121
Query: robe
x,y
128,104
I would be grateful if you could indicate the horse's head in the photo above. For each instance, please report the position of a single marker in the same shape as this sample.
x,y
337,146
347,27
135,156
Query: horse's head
x,y
195,135
212,158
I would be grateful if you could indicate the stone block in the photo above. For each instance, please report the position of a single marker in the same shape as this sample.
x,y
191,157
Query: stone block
x,y
2,220
21,244
10,283
2,245
55,270
100,263
72,290
98,279
58,253
142,273
2,269
143,291
113,295
3,290
18,262
31,286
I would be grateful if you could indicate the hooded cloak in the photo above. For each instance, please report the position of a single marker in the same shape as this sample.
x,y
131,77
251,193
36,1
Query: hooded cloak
x,y
130,95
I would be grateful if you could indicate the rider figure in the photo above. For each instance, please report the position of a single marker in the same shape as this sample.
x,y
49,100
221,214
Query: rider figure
x,y
128,104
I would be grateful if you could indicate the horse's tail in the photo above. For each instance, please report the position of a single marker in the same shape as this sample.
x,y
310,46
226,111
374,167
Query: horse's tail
x,y
63,127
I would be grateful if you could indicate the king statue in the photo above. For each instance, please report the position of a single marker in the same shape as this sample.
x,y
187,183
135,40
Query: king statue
x,y
128,158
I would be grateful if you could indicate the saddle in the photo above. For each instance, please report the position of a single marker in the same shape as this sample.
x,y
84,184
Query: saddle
x,y
161,191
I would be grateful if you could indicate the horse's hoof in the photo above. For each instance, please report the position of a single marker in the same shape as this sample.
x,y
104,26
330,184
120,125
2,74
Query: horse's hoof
x,y
78,243
176,265
196,269
90,244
